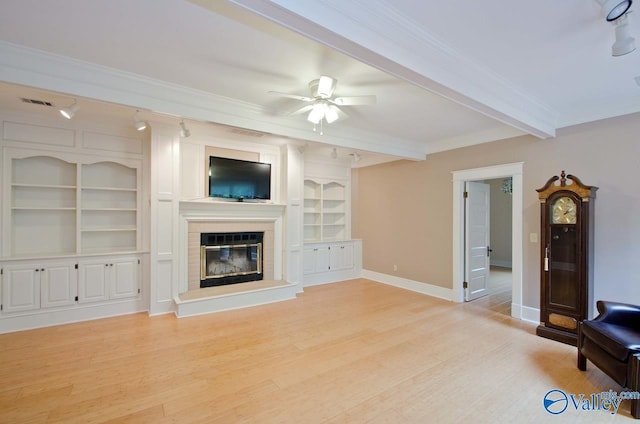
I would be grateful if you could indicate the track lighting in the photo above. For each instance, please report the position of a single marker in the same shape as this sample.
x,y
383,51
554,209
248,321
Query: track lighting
x,y
625,43
614,9
334,153
140,125
68,112
356,156
184,132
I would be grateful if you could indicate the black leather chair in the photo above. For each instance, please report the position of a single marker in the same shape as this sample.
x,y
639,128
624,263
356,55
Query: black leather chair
x,y
611,341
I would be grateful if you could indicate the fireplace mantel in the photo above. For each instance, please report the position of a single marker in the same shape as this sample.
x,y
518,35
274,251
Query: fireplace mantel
x,y
219,209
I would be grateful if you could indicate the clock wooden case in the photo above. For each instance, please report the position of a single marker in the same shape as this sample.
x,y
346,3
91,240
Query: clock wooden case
x,y
566,251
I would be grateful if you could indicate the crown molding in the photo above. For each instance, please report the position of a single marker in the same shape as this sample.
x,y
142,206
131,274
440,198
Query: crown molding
x,y
48,71
408,51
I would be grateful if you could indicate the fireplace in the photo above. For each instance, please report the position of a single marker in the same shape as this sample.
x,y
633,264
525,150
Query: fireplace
x,y
230,258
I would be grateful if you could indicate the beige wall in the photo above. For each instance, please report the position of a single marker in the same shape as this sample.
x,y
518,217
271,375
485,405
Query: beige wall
x,y
403,210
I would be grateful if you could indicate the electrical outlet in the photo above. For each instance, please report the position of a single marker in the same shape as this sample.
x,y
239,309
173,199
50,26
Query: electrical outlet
x,y
395,267
533,237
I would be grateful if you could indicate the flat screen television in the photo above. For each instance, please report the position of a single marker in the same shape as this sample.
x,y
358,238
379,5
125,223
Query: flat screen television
x,y
239,179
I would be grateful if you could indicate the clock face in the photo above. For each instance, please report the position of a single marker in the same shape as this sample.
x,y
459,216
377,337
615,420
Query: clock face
x,y
563,211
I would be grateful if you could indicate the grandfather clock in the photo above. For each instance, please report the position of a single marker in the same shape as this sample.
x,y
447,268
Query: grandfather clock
x,y
566,251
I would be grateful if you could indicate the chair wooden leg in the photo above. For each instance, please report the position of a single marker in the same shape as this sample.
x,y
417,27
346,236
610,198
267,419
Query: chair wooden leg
x,y
582,360
633,377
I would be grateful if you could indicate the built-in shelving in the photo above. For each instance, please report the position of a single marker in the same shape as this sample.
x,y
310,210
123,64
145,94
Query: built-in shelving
x,y
109,207
325,213
74,206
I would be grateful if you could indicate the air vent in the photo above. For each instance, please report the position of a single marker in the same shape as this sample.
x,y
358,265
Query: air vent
x,y
244,131
37,102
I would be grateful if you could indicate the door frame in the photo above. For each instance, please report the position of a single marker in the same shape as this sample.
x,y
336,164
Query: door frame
x,y
515,171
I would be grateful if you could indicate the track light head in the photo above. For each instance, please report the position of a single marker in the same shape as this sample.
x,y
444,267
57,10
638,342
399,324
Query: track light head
x,y
139,125
614,9
334,153
68,112
184,131
624,43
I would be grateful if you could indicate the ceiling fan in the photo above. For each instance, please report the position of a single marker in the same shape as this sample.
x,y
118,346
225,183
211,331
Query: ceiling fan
x,y
322,106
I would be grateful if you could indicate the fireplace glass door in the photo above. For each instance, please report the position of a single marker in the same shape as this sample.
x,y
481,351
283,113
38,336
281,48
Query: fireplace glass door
x,y
230,260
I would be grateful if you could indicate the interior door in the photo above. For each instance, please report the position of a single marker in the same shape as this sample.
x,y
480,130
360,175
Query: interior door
x,y
477,250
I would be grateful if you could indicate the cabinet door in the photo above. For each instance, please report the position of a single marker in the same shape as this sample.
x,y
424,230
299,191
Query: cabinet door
x,y
92,285
59,285
123,281
309,260
21,288
323,260
342,256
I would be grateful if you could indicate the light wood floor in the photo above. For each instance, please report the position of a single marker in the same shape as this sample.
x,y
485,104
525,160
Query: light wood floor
x,y
500,291
351,352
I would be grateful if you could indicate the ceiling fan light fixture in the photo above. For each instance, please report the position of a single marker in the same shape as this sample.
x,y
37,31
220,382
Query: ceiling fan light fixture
x,y
614,9
331,113
624,43
326,86
316,114
68,112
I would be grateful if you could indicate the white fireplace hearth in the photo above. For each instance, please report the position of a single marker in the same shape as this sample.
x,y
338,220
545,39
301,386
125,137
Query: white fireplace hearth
x,y
209,216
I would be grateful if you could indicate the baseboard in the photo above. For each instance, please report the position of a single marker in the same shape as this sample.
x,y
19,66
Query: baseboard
x,y
68,315
403,283
525,313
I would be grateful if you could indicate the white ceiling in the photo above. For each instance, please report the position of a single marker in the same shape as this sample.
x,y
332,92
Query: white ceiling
x,y
446,74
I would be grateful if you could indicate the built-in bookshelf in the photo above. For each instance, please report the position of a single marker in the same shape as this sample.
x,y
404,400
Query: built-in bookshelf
x,y
325,212
75,206
109,207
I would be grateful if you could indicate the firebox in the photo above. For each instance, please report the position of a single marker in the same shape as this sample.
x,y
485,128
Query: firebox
x,y
230,258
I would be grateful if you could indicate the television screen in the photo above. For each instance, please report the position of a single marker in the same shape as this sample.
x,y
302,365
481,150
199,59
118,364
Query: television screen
x,y
239,179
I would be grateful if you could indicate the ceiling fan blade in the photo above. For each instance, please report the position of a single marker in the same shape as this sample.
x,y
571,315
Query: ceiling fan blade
x,y
292,108
354,100
292,96
303,109
341,114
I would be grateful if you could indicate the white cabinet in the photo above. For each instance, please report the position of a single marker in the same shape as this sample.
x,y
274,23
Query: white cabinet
x,y
332,261
93,282
20,288
58,284
326,210
316,259
342,257
31,286
114,278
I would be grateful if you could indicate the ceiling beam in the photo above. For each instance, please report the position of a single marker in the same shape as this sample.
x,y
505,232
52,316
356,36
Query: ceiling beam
x,y
409,52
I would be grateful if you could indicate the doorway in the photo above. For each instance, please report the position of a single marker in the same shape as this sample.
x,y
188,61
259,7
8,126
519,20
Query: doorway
x,y
514,171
